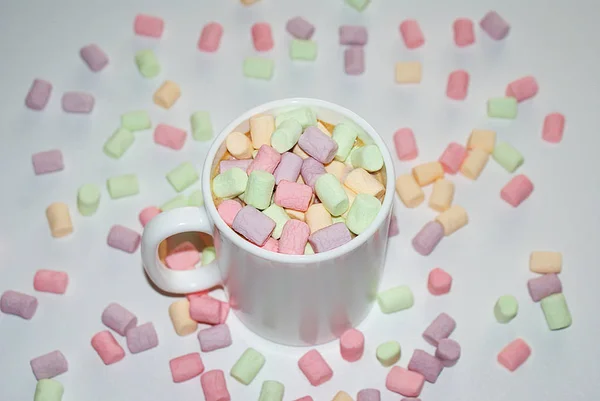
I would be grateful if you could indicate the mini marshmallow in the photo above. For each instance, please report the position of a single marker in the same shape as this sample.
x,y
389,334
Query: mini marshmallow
x,y
107,347
311,170
317,217
286,135
439,281
412,34
458,85
352,345
395,299
507,156
339,169
273,245
213,338
247,366
122,186
77,102
48,390
367,157
186,367
517,190
271,390
253,225
225,165
441,327
288,168
176,202
331,194
427,173
123,238
464,34
230,183
262,37
358,5
344,134
279,216
428,238
556,311
342,396
482,139
258,68
170,137
494,25
59,220
354,60
304,115
353,35
49,161
259,189
544,286
453,157
195,198
179,312
523,88
427,365
315,368
205,310
239,145
118,143
502,107
147,63
448,352
406,146
266,159
442,195
305,50
51,281
94,57
147,214
136,120
300,28
318,145
453,219
408,72
361,182
306,398
294,237
147,25
228,209
363,212
38,95
141,338
409,191
261,129
210,38
545,262
214,386
167,94
202,129
182,176
514,354
554,126
506,308
368,394
49,365
329,237
404,382
18,304
474,163
118,318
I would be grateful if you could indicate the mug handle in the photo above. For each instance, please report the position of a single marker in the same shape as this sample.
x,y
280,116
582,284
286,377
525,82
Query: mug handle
x,y
164,225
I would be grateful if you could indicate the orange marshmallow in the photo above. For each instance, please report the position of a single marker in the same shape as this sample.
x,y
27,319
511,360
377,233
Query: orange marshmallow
x,y
338,169
427,173
453,219
361,182
261,129
409,191
239,145
474,163
482,139
442,195
317,217
167,94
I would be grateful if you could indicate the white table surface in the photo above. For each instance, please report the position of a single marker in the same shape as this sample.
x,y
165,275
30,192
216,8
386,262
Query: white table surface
x,y
554,40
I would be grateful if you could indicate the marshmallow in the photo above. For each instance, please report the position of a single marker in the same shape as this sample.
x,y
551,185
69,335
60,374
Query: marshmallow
x,y
344,134
253,225
406,146
94,57
404,382
441,195
288,168
545,262
294,237
148,214
123,238
439,281
261,129
352,345
311,170
225,165
482,139
453,219
412,34
48,390
361,182
554,126
395,299
358,5
118,143
178,201
362,213
523,88
122,186
213,338
441,327
228,209
329,237
195,198
506,308
301,49
141,338
507,156
339,169
202,129
502,107
514,354
315,368
464,34
18,304
353,35
354,60
260,189
317,144
517,190
317,217
49,365
182,176
304,115
300,28
286,136
77,102
448,352
544,286
167,94
210,38
453,157
59,220
393,229
51,281
271,390
409,191
118,318
279,216
107,347
147,25
230,183
258,68
427,365
428,238
342,396
474,163
169,136
367,157
368,394
427,173
136,120
494,25
266,159
179,312
408,72
205,310
147,63
273,245
214,386
332,194
556,311
262,37
458,85
239,145
49,161
186,367
247,366
38,95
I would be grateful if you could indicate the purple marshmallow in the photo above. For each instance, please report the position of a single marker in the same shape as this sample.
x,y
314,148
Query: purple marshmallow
x,y
427,365
288,168
225,165
440,328
94,57
318,145
494,25
47,162
300,28
353,35
427,239
49,365
123,238
78,102
253,225
215,337
368,394
393,229
118,318
354,60
448,351
329,238
311,170
19,304
142,338
38,95
544,286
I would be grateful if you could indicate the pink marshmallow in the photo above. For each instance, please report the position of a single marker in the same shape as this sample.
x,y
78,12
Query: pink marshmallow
x,y
147,25
393,229
118,318
464,34
354,60
142,338
198,294
314,367
412,34
494,25
441,327
262,37
94,57
517,190
453,157
107,347
38,95
253,225
404,382
185,260
49,365
213,338
170,137
210,38
406,146
271,245
292,195
224,305
228,209
353,35
439,282
554,126
148,214
514,354
523,88
51,281
427,365
183,247
214,386
186,367
205,310
266,159
458,85
352,345
123,238
49,161
305,398
78,102
293,237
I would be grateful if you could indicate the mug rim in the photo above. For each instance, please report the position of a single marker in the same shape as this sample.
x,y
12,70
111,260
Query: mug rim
x,y
255,250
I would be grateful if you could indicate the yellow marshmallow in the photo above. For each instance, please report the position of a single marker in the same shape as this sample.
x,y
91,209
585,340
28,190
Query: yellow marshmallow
x,y
317,217
338,169
409,191
342,396
474,163
408,72
441,195
482,139
179,312
453,219
167,94
261,129
59,220
323,128
239,145
299,152
545,262
427,173
294,214
361,182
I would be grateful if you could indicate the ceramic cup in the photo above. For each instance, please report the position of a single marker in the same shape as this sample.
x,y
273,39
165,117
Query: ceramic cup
x,y
289,299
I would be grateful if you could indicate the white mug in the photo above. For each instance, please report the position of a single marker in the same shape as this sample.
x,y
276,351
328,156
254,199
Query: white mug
x,y
289,299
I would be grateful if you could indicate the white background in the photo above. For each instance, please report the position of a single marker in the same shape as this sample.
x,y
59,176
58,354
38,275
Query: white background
x,y
555,40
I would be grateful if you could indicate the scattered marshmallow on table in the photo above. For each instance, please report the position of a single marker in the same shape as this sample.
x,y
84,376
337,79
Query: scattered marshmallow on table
x,y
409,190
179,312
147,214
94,57
59,219
507,156
464,34
441,327
517,190
205,310
342,396
174,203
49,161
522,88
352,345
182,176
214,386
453,219
514,354
448,352
122,186
148,25
554,126
141,338
271,390
556,311
167,94
48,390
38,95
329,237
368,394
51,281
428,238
247,366
147,63
213,338
123,238
442,195
262,37
412,34
119,319
137,120
408,72
474,163
210,38
427,173
258,67
439,281
506,308
453,157
393,229
107,347
544,286
77,102
118,143
404,382
300,28
169,136
494,25
458,85
395,299
49,365
186,367
502,107
315,368
388,353
353,35
358,5
427,365
482,139
354,60
18,304
301,49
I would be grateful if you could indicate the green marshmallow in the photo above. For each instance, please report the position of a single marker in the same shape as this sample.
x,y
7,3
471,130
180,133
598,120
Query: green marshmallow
x,y
259,68
308,249
196,199
359,5
556,311
118,143
271,391
368,157
147,63
247,367
202,129
507,156
331,194
506,308
122,186
303,50
48,390
88,199
338,219
259,189
182,176
286,135
230,184
209,254
279,216
176,202
388,353
344,134
502,107
304,115
395,299
136,120
362,213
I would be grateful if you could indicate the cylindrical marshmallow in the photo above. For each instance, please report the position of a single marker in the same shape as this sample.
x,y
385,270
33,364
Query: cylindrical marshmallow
x,y
19,304
142,338
77,102
38,95
412,34
406,146
88,199
464,33
427,239
544,286
439,282
261,129
441,327
427,365
123,238
474,163
167,94
94,57
51,281
494,25
448,351
49,365
215,337
47,162
148,25
353,35
554,125
288,168
186,367
453,157
59,219
354,60
107,347
148,214
147,64
453,219
523,88
517,190
214,386
294,237
239,145
361,182
210,38
427,173
262,37
514,354
442,195
482,139
409,190
317,217
228,209
352,345
545,262
311,170
179,312
300,28
266,159
458,85
118,318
